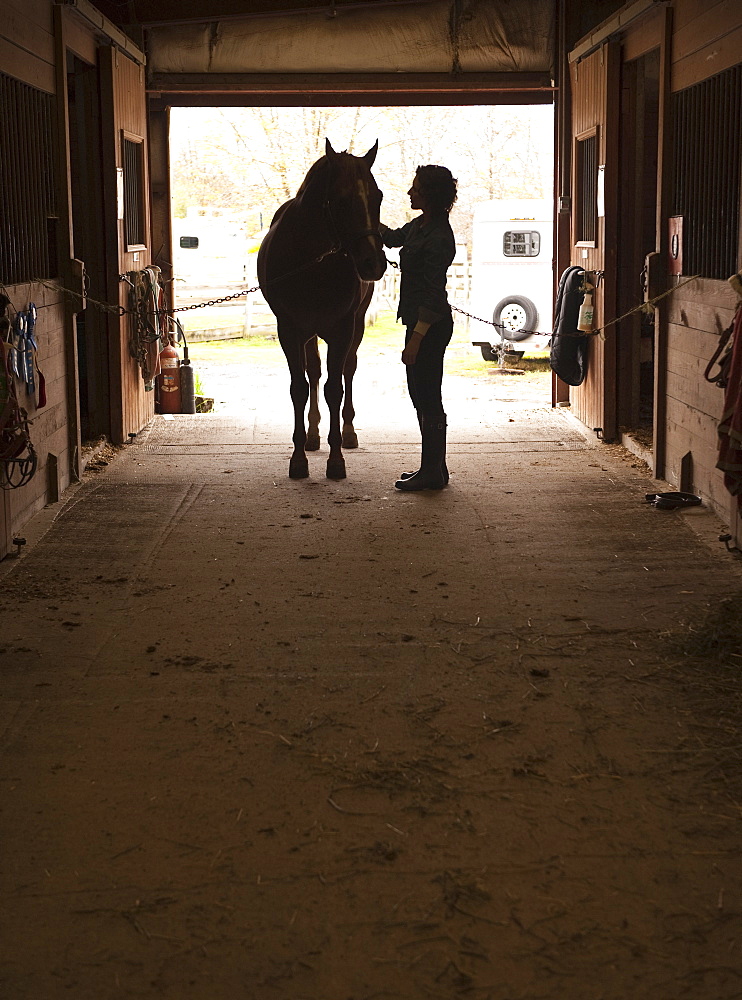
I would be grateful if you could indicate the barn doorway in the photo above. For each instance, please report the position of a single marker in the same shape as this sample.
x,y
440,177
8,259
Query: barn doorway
x,y
231,168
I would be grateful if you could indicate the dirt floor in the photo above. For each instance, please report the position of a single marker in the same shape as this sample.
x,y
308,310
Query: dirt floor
x,y
315,740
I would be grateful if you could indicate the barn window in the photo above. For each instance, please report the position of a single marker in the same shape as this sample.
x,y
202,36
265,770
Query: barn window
x,y
27,183
586,189
134,213
706,158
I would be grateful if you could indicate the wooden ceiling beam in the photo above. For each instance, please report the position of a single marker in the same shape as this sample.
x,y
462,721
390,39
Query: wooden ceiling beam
x,y
380,89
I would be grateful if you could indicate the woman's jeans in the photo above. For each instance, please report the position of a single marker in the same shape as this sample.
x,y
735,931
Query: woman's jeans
x,y
425,377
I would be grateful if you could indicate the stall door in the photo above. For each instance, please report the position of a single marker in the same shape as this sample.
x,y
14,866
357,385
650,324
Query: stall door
x,y
595,104
126,156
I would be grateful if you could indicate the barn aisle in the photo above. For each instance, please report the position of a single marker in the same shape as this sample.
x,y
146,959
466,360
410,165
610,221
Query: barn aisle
x,y
324,741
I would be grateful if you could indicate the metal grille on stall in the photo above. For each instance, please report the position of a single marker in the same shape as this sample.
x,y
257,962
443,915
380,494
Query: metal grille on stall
x,y
706,183
27,183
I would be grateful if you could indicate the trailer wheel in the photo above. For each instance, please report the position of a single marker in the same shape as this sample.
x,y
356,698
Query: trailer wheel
x,y
518,316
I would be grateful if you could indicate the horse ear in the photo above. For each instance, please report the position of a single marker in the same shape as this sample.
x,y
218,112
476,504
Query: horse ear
x,y
329,151
371,154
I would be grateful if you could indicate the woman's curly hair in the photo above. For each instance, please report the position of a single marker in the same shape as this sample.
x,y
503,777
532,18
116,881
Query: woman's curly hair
x,y
438,187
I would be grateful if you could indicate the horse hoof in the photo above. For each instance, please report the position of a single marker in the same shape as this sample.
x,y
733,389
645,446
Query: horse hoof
x,y
350,439
298,469
336,470
312,442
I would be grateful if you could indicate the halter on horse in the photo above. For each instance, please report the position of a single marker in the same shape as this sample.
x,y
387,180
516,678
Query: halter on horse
x,y
316,266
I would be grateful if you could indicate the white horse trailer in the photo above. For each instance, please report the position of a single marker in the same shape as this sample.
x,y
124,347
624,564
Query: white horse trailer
x,y
210,249
512,272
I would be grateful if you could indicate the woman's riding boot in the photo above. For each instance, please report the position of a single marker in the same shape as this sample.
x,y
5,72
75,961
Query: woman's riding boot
x,y
444,467
430,476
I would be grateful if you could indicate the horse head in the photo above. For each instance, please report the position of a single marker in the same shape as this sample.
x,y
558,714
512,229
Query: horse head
x,y
353,205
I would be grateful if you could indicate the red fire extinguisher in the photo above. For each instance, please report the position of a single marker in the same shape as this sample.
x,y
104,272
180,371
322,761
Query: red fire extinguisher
x,y
168,381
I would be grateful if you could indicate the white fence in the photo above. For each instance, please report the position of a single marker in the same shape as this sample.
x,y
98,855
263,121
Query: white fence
x,y
458,286
252,315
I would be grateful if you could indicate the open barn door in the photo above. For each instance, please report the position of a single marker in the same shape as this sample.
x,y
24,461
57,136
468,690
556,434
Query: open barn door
x,y
595,91
129,242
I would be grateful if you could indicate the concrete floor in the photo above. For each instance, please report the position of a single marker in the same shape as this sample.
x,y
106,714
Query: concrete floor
x,y
321,740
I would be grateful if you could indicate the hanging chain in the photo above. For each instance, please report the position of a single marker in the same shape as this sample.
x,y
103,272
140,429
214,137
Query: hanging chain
x,y
216,302
256,288
123,311
644,307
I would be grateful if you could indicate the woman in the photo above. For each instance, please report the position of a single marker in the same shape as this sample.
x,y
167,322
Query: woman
x,y
428,248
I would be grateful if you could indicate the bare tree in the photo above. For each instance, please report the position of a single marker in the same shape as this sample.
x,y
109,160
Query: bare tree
x,y
250,160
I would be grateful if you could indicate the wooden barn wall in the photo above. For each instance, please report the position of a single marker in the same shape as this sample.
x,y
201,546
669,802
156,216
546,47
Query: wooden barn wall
x,y
27,42
706,39
136,406
697,314
27,53
49,425
35,36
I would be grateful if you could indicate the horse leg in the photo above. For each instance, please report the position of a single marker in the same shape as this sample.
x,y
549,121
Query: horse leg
x,y
293,348
336,351
350,438
313,370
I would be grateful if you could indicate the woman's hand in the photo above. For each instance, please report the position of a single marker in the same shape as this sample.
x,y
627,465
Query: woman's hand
x,y
409,354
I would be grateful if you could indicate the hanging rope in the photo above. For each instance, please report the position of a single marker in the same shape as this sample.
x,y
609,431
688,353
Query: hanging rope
x,y
149,323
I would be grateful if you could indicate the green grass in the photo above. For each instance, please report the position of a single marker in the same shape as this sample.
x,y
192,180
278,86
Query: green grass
x,y
386,333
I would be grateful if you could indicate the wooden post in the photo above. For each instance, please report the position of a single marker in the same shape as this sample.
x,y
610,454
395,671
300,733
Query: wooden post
x,y
562,176
112,242
159,174
65,242
664,180
610,236
5,523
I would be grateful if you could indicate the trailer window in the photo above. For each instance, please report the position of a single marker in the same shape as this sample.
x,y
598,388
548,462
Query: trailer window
x,y
521,243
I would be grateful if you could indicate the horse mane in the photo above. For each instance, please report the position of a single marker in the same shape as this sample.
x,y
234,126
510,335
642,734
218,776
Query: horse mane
x,y
318,168
321,166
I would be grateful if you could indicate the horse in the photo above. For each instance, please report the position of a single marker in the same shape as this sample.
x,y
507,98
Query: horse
x,y
316,268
